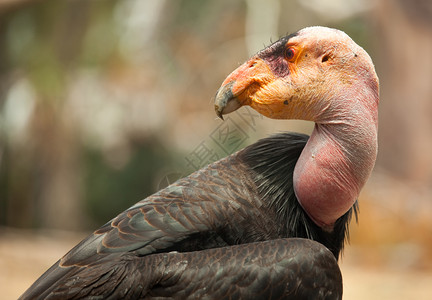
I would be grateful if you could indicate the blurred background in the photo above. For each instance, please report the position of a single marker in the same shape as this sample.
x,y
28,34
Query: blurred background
x,y
102,103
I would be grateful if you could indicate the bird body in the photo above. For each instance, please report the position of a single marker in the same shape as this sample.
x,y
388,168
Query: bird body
x,y
224,204
238,221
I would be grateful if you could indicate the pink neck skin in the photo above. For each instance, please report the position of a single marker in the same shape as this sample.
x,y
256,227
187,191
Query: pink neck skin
x,y
338,159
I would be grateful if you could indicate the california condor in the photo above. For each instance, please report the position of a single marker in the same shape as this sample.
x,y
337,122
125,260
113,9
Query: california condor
x,y
267,222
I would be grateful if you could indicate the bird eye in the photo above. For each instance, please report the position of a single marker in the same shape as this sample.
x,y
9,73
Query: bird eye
x,y
289,54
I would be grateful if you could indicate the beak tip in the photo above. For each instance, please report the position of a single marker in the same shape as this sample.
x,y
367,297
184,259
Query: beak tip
x,y
218,112
225,101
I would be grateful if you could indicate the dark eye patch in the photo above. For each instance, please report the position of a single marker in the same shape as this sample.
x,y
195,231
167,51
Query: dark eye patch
x,y
274,55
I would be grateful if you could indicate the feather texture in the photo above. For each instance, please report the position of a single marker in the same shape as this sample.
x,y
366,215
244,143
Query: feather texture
x,y
245,198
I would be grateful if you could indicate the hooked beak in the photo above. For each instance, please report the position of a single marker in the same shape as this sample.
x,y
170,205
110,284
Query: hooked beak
x,y
225,101
241,85
253,84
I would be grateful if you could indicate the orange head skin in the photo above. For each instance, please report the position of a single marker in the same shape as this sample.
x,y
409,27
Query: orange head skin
x,y
298,76
318,74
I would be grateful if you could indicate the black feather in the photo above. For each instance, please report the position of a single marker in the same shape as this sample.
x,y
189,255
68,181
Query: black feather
x,y
272,161
245,198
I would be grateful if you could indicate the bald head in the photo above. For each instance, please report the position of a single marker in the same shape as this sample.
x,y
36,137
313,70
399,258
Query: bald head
x,y
300,76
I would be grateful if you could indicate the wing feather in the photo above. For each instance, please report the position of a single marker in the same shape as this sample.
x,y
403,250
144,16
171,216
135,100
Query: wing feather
x,y
277,269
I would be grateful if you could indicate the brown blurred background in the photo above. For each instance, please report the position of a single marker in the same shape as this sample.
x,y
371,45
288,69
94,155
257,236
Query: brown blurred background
x,y
104,102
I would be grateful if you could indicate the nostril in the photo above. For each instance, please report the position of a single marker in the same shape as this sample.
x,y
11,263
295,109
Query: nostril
x,y
325,58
